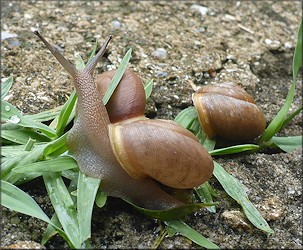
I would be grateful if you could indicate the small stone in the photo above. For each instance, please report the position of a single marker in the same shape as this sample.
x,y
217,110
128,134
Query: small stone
x,y
288,45
28,16
13,43
230,57
159,53
236,220
272,208
6,35
268,41
15,220
199,8
273,45
228,17
161,73
116,24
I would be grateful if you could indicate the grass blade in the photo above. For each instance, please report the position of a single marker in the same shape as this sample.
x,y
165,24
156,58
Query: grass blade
x,y
117,77
278,121
148,88
12,115
58,145
205,195
190,233
234,149
21,136
6,86
236,190
22,159
86,193
291,116
92,54
173,213
186,117
65,113
46,115
79,63
14,150
15,199
101,199
64,206
289,143
208,144
54,165
50,230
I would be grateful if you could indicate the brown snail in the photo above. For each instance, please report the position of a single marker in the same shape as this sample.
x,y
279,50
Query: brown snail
x,y
128,151
228,111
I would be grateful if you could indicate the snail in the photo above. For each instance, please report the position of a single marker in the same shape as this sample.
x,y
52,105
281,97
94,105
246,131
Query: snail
x,y
127,151
228,111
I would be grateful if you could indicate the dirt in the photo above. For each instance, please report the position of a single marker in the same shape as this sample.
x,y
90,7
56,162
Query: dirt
x,y
247,42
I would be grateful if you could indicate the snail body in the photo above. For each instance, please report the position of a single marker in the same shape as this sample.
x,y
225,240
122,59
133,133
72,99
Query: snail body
x,y
123,148
228,111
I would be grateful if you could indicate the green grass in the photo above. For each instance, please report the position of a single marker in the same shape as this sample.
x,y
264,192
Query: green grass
x,y
31,149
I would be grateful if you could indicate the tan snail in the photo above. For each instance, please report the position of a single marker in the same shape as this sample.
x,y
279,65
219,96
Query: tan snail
x,y
126,150
228,111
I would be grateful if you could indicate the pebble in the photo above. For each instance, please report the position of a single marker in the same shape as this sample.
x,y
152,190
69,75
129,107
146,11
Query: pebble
x,y
268,41
15,220
116,24
228,17
13,43
236,219
272,208
288,45
159,53
273,45
6,35
161,73
199,8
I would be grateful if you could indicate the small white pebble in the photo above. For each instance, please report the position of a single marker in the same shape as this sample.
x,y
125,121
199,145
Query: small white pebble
x,y
159,53
201,9
197,42
229,57
288,45
116,24
229,17
28,16
268,41
6,35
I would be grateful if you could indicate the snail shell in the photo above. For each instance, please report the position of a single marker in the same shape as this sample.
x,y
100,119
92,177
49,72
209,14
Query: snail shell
x,y
160,149
228,111
128,99
167,152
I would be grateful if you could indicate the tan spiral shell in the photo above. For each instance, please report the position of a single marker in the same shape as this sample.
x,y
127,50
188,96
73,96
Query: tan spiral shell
x,y
228,111
128,99
162,150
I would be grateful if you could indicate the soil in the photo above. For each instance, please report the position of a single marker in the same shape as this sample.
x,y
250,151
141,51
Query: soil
x,y
249,43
